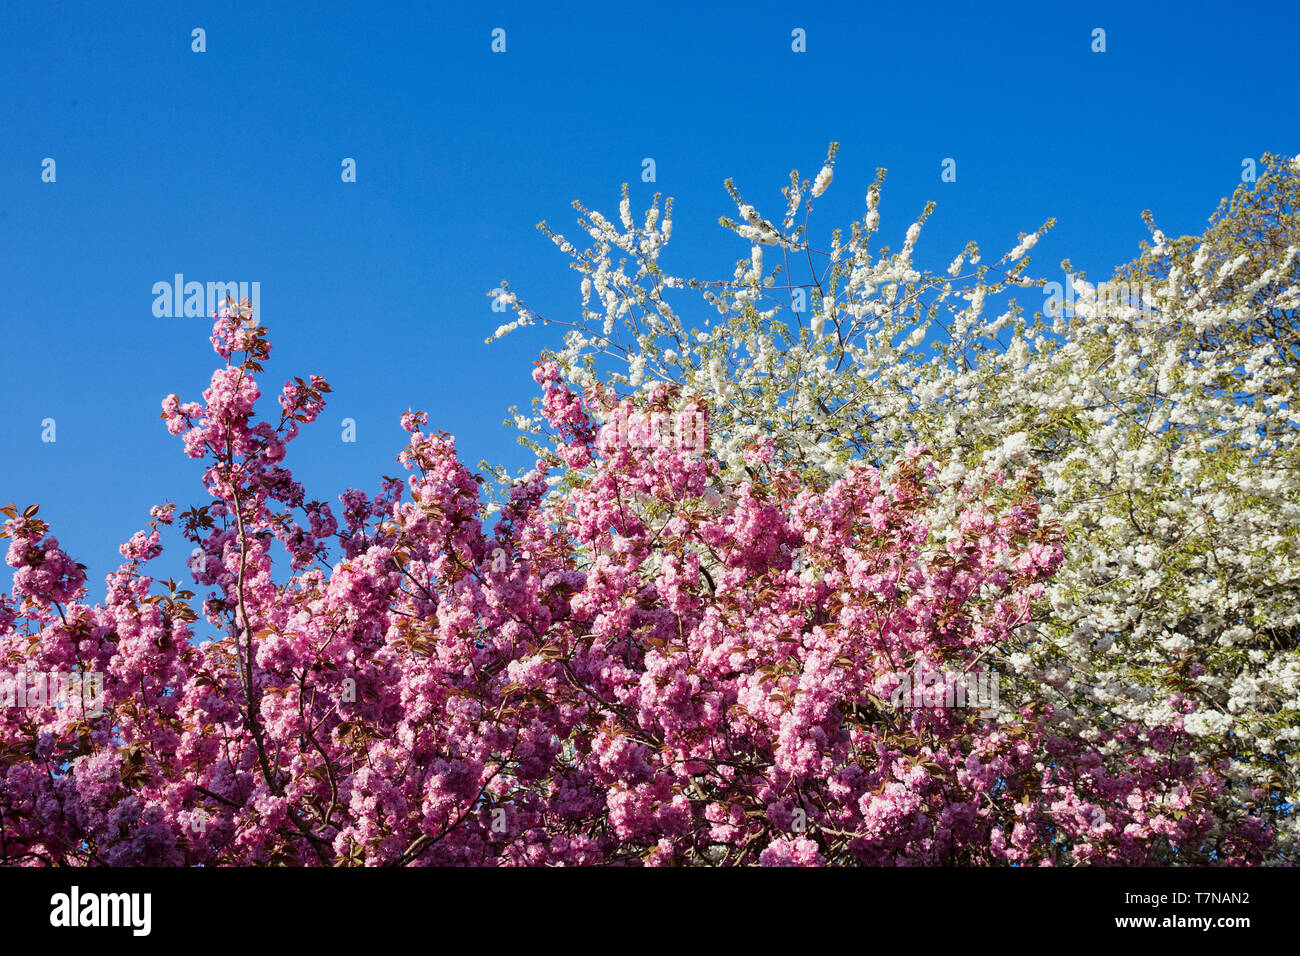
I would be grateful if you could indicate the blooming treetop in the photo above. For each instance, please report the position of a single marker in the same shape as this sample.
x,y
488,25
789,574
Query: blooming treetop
x,y
1163,427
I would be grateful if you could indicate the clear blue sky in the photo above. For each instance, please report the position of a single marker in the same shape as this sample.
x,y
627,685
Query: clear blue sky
x,y
225,165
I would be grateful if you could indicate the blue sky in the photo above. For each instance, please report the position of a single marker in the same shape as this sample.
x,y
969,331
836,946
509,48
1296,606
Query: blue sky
x,y
225,165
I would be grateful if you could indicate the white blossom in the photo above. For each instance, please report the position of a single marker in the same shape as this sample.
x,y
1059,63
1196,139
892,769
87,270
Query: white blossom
x,y
823,180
